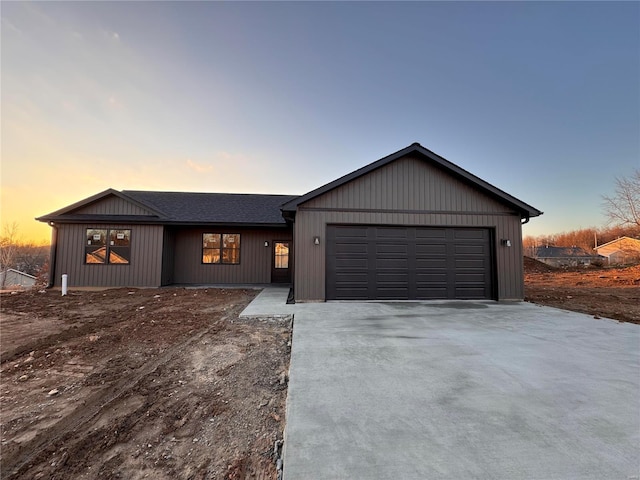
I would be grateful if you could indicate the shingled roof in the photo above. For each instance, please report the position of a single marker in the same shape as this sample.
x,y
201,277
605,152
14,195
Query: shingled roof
x,y
561,252
185,207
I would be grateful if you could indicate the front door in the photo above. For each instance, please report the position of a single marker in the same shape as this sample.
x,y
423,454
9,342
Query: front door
x,y
281,267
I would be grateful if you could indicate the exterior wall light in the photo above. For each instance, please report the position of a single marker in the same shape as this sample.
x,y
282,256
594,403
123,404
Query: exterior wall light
x,y
505,242
316,240
266,243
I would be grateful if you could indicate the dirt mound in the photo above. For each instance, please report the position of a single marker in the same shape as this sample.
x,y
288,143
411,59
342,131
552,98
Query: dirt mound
x,y
531,265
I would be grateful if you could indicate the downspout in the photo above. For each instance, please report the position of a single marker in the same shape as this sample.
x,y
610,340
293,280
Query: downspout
x,y
52,255
526,220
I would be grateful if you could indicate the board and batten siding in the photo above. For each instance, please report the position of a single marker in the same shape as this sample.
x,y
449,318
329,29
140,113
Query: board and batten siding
x,y
112,206
143,271
255,259
407,192
168,255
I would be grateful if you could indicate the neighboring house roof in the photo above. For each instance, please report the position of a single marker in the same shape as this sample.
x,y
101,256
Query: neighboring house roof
x,y
184,208
561,252
622,243
525,210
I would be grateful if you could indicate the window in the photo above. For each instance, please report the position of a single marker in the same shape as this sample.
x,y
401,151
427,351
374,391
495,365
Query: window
x,y
281,255
108,246
221,248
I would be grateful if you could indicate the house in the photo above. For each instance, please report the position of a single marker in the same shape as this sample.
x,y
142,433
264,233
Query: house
x,y
411,225
564,256
621,250
11,278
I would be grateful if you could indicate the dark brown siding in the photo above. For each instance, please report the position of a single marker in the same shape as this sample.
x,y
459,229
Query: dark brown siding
x,y
407,192
168,255
113,205
255,258
143,271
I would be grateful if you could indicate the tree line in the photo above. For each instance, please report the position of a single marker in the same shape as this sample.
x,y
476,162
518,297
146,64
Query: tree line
x,y
27,257
585,237
623,210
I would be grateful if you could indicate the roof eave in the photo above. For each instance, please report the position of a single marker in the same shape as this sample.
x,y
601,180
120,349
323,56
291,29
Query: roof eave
x,y
154,221
95,198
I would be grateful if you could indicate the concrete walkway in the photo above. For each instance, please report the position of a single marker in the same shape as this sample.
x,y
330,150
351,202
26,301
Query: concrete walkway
x,y
452,390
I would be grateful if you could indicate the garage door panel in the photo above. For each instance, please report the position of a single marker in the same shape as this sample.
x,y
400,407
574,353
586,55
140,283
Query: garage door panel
x,y
349,262
389,278
434,276
382,233
470,263
431,249
397,263
469,233
434,292
430,263
426,233
470,293
468,249
351,248
372,262
391,249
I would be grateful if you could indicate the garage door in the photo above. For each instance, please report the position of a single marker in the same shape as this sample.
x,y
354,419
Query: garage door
x,y
408,263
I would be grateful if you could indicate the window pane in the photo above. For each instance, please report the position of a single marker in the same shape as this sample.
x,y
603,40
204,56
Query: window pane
x,y
230,255
210,255
210,240
96,237
281,255
95,254
119,255
120,238
231,240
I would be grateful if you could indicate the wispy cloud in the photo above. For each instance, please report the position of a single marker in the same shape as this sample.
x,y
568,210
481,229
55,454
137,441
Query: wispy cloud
x,y
199,167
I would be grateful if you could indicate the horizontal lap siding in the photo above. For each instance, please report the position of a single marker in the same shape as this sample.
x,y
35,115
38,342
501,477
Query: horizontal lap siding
x,y
143,271
255,258
408,192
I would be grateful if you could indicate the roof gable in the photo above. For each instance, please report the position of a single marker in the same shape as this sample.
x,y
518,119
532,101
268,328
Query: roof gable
x,y
109,202
418,151
622,242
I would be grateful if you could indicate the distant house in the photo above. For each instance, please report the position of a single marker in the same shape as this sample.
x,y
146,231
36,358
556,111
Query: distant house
x,y
411,225
564,256
620,250
13,278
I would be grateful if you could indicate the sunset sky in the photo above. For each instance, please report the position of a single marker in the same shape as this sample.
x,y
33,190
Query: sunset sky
x,y
540,99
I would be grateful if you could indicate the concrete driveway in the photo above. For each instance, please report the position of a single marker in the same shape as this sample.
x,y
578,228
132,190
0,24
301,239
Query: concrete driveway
x,y
461,390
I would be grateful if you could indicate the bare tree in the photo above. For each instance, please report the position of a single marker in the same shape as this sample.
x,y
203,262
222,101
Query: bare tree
x,y
623,207
8,250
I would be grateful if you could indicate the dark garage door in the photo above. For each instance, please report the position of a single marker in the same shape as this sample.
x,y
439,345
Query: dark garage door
x,y
408,263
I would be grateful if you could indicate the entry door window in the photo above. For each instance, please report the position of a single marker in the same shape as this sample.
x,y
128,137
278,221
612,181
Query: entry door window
x,y
281,255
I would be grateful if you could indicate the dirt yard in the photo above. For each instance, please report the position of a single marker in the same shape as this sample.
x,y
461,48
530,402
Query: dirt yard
x,y
132,384
601,292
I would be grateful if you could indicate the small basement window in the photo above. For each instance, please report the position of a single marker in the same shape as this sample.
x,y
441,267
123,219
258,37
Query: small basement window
x,y
104,246
221,248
